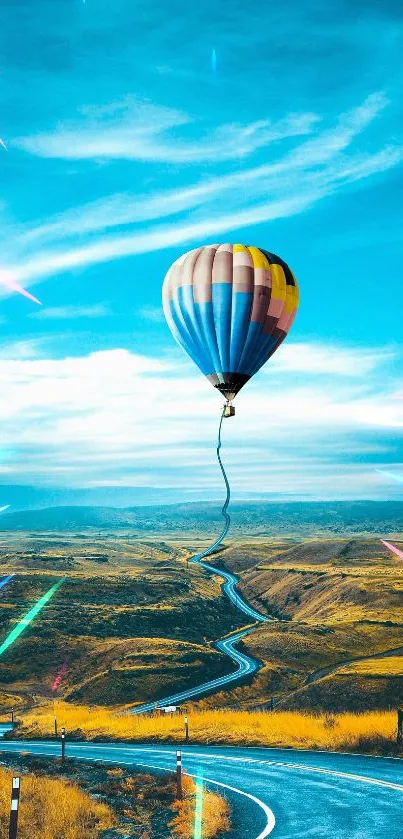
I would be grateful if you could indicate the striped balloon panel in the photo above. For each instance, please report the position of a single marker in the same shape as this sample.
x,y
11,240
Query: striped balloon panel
x,y
230,307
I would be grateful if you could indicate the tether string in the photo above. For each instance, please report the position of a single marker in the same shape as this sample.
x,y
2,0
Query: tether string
x,y
224,509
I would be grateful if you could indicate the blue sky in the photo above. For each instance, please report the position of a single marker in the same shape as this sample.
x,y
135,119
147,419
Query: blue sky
x,y
127,143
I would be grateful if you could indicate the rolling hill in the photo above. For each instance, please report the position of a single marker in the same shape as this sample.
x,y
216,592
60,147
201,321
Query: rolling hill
x,y
338,643
254,518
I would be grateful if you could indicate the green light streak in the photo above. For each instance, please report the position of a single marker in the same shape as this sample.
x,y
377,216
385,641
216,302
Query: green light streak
x,y
199,807
29,617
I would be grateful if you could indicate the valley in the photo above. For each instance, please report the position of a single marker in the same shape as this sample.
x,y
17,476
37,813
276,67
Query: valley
x,y
134,621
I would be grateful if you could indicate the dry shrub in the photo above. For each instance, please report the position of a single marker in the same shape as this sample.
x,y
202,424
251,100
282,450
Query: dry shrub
x,y
215,813
52,809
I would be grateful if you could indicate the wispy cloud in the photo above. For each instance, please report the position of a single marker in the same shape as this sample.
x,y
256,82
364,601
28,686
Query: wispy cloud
x,y
154,314
295,181
98,310
310,157
138,131
106,249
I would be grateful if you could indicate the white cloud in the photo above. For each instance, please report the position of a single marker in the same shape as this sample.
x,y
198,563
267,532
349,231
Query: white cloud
x,y
295,181
117,211
114,417
98,310
105,249
138,131
322,358
154,314
30,348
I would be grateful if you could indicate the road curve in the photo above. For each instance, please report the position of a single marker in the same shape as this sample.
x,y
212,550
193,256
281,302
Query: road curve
x,y
229,589
246,665
289,793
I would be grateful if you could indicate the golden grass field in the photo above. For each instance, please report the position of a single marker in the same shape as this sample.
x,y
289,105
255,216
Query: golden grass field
x,y
52,808
368,732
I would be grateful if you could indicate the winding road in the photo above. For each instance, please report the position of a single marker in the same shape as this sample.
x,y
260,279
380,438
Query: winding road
x,y
246,665
284,792
292,794
229,588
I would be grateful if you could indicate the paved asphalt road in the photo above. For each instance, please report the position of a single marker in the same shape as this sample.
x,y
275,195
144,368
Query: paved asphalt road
x,y
245,664
5,727
229,589
286,793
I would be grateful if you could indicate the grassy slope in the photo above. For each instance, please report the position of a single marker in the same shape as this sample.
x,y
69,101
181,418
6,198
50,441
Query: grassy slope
x,y
339,600
126,629
139,624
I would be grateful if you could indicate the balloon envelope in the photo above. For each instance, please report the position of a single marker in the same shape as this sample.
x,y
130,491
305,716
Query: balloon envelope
x,y
230,307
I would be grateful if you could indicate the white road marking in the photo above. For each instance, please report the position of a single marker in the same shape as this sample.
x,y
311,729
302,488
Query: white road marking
x,y
270,817
350,776
271,820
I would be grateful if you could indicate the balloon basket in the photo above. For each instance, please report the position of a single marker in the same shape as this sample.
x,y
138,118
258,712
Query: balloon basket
x,y
229,411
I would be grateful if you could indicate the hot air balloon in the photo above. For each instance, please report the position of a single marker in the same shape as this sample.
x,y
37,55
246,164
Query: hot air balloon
x,y
230,307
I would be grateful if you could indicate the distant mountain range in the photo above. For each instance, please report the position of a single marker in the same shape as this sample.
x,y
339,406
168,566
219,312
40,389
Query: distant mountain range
x,y
258,518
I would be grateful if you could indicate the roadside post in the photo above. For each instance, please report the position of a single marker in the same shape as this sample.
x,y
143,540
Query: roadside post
x,y
179,794
12,715
63,743
15,800
186,730
399,738
55,726
271,706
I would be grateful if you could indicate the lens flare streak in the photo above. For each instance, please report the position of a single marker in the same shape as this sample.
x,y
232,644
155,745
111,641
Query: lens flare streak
x,y
62,672
6,580
199,807
6,506
7,280
392,548
398,478
214,61
29,617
